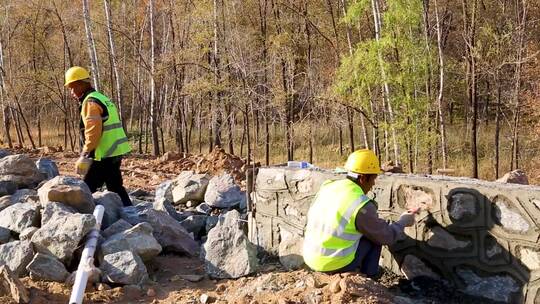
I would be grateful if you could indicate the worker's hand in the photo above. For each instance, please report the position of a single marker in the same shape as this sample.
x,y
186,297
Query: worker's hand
x,y
407,219
83,165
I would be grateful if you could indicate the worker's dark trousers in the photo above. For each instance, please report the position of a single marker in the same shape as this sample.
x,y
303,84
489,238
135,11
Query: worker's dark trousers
x,y
107,171
366,259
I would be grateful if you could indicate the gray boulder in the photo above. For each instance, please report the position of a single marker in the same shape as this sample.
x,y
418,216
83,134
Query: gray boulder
x,y
25,196
124,267
140,193
222,192
112,204
47,268
20,196
27,233
5,235
7,188
17,217
189,186
140,240
167,231
52,209
4,153
47,167
163,200
68,190
115,228
21,170
61,235
5,201
211,222
515,177
228,254
204,208
195,224
16,255
113,245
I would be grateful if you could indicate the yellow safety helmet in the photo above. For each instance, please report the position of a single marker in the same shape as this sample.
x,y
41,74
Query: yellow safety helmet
x,y
363,162
76,73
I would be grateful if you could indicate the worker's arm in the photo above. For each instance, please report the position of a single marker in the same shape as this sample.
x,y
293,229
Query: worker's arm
x,y
376,229
93,125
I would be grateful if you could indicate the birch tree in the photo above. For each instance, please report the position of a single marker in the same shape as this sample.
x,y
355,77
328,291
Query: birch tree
x,y
92,53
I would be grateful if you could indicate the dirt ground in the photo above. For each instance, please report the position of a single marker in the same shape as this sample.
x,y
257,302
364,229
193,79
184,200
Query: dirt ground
x,y
146,172
271,285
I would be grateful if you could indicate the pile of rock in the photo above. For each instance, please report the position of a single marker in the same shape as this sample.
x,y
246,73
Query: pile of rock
x,y
44,219
213,210
43,224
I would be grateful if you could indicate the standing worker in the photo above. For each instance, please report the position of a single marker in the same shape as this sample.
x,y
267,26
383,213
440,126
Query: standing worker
x,y
343,231
103,139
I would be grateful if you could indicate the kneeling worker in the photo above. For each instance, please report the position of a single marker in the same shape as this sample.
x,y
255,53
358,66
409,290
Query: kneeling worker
x,y
103,139
344,232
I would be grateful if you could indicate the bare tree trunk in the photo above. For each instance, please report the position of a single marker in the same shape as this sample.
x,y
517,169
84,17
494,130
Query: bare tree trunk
x,y
350,120
386,88
469,20
522,21
441,88
263,11
153,101
91,44
340,141
114,60
27,127
497,121
217,78
3,98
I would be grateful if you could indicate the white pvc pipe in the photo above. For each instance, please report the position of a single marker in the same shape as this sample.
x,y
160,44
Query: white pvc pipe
x,y
87,259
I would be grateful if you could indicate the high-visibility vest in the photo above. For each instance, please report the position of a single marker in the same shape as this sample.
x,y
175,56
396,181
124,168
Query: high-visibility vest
x,y
113,140
331,238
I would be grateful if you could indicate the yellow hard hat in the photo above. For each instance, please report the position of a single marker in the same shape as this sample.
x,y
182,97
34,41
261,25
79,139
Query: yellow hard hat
x,y
363,162
76,73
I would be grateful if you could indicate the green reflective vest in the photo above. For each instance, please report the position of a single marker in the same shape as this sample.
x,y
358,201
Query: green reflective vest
x,y
113,141
331,238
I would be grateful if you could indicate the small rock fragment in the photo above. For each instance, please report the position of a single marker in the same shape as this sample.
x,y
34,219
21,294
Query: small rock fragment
x,y
11,286
47,268
334,285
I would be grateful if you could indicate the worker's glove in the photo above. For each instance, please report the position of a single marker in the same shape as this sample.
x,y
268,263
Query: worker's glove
x,y
406,219
83,165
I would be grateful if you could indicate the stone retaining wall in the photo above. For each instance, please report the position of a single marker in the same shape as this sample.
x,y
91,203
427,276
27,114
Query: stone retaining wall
x,y
481,236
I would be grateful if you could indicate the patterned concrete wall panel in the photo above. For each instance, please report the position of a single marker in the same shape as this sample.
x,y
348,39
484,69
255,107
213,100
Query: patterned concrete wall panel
x,y
463,207
271,179
509,219
411,194
382,193
304,184
440,242
293,211
482,236
262,233
265,202
495,252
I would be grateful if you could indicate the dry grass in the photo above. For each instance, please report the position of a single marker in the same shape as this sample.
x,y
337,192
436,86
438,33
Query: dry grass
x,y
326,148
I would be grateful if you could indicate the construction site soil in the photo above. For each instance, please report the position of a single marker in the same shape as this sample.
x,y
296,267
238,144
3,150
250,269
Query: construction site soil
x,y
180,279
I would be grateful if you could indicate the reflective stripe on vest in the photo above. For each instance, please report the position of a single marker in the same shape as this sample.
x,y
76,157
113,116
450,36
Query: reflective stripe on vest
x,y
331,238
113,126
113,141
114,146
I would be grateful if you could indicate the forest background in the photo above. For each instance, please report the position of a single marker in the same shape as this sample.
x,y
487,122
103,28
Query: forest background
x,y
432,84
